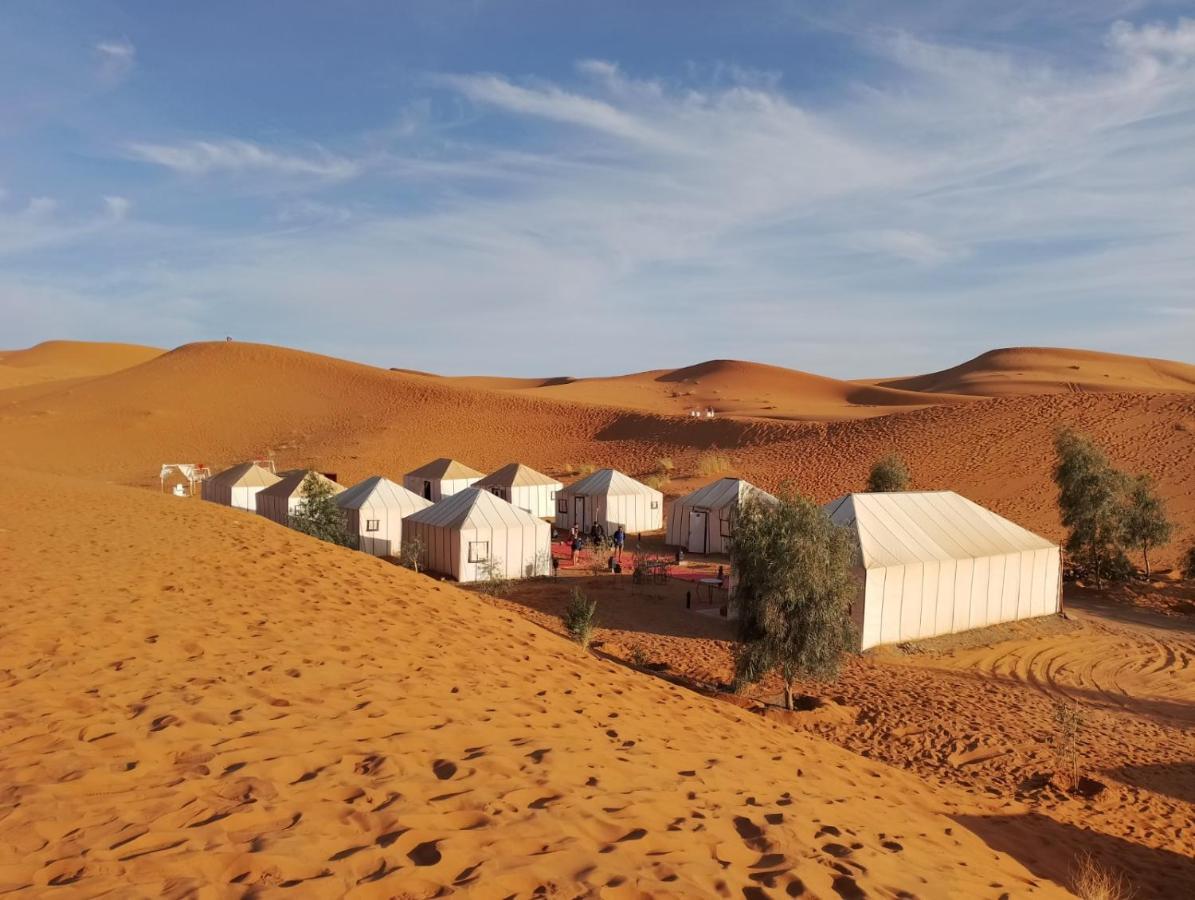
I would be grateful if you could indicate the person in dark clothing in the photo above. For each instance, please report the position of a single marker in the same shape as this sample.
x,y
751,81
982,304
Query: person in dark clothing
x,y
620,538
601,533
594,532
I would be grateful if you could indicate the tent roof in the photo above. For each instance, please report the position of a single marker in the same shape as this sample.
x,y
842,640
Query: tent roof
x,y
903,527
379,491
515,474
723,492
474,508
444,468
291,483
245,475
608,481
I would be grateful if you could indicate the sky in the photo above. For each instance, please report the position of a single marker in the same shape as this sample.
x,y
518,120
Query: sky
x,y
528,187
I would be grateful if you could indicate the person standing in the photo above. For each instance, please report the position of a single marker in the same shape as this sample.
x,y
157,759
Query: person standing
x,y
620,538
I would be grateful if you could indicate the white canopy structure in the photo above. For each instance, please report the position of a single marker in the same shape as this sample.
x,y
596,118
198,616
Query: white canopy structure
x,y
440,478
374,510
238,487
611,499
279,500
702,521
525,488
473,534
192,473
936,563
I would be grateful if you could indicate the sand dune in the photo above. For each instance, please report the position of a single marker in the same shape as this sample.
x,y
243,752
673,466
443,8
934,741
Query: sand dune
x,y
1047,370
220,403
58,360
197,702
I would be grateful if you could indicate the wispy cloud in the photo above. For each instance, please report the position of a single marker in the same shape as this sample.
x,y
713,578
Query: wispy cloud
x,y
115,58
203,157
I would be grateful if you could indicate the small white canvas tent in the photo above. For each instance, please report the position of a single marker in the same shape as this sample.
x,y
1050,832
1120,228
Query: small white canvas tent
x,y
374,510
440,478
702,522
611,499
525,488
278,501
936,563
468,533
238,487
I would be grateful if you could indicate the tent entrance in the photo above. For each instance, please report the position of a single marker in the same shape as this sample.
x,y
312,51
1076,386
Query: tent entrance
x,y
427,490
579,514
698,530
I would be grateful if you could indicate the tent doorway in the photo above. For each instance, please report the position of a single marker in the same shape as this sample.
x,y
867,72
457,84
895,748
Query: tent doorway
x,y
698,530
427,490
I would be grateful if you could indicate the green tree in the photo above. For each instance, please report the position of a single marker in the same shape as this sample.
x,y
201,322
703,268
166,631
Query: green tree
x,y
888,474
1188,563
794,584
580,618
318,515
1090,500
1143,518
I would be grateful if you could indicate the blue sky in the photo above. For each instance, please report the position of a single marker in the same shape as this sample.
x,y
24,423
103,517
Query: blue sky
x,y
587,188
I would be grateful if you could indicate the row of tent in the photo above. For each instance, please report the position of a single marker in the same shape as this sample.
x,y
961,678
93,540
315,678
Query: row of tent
x,y
930,562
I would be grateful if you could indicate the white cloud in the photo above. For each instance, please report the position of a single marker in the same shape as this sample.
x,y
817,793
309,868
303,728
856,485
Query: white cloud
x,y
115,58
117,208
203,157
1155,39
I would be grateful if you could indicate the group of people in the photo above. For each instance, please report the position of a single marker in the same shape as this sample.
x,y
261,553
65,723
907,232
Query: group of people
x,y
597,536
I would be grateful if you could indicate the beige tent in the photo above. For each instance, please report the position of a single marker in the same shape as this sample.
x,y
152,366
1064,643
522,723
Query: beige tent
x,y
374,510
466,534
611,499
238,487
936,563
278,501
525,488
440,478
702,521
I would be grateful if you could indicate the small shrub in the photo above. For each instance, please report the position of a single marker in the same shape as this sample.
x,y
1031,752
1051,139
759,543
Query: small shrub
x,y
658,481
411,553
713,463
639,657
580,618
1069,720
1091,881
586,469
665,465
1188,563
318,515
888,474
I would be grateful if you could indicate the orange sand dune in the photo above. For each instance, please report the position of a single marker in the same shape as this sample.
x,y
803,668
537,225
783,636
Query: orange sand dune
x,y
220,403
197,702
1047,370
55,360
729,387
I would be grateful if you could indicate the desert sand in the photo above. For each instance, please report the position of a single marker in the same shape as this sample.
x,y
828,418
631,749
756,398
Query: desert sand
x,y
197,702
67,360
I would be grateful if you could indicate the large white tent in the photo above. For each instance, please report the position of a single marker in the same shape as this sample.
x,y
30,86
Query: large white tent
x,y
474,534
279,500
935,563
703,521
374,510
238,487
525,488
610,498
440,478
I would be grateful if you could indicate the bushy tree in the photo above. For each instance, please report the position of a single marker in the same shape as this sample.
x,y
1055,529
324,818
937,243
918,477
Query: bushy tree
x,y
318,515
1090,496
1143,518
1188,563
580,618
888,474
793,585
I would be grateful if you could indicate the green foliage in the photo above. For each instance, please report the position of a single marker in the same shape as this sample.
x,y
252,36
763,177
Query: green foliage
x,y
1188,563
665,465
1090,496
794,586
1143,518
1069,720
318,515
411,553
580,618
888,474
713,463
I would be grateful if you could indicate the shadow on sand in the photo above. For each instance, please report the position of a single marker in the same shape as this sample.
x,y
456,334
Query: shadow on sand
x,y
1050,849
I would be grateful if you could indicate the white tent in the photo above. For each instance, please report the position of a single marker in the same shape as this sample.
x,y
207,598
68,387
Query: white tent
x,y
279,500
936,563
374,510
238,487
702,521
525,488
611,499
467,533
440,478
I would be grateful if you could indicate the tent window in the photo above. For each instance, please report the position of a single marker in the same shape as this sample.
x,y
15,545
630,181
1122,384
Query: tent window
x,y
372,524
562,505
655,504
479,551
498,491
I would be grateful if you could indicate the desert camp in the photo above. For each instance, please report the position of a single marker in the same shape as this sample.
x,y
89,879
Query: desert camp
x,y
610,499
239,486
524,487
374,510
440,478
279,501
